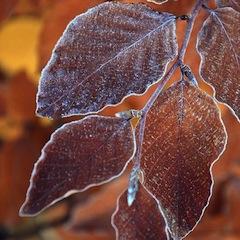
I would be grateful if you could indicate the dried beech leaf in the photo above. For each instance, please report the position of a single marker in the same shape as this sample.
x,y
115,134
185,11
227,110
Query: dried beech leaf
x,y
218,45
111,51
79,155
183,137
235,4
158,1
57,18
142,220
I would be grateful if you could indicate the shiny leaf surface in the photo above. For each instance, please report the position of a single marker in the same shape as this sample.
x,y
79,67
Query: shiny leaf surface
x,y
142,220
80,154
218,45
109,52
183,137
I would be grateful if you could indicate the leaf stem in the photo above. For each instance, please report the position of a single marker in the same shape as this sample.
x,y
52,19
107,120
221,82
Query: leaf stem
x,y
146,108
189,28
164,80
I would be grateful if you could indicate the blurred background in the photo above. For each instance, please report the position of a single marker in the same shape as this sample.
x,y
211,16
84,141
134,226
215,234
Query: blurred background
x,y
29,30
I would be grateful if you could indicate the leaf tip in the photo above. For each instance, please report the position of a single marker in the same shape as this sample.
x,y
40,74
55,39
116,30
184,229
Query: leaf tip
x,y
23,211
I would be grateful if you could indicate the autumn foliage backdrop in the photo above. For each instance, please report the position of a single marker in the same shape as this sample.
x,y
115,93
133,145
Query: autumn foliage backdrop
x,y
28,31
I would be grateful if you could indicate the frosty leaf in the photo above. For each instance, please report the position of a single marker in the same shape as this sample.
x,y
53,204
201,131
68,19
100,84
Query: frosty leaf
x,y
235,4
218,45
142,220
111,51
57,18
80,154
183,137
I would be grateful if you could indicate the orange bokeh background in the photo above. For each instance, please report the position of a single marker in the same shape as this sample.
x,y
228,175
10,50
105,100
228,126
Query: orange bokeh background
x,y
29,30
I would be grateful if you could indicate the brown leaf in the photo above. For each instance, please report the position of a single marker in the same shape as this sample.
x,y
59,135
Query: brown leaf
x,y
60,14
80,154
142,220
82,77
235,4
218,46
183,137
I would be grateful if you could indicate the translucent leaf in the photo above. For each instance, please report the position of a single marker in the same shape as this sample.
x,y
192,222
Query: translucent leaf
x,y
218,45
235,4
111,51
183,137
142,220
80,154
